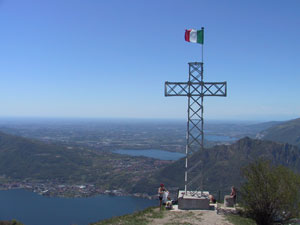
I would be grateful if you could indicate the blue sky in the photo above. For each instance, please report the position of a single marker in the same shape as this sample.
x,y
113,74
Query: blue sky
x,y
79,58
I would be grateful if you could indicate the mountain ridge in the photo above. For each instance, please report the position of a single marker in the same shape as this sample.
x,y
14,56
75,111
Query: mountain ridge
x,y
221,165
285,132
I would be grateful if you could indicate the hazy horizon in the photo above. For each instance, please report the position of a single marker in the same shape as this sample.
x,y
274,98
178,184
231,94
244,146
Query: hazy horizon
x,y
128,119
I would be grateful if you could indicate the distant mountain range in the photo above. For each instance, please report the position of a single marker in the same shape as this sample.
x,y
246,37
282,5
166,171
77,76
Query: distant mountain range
x,y
221,165
284,132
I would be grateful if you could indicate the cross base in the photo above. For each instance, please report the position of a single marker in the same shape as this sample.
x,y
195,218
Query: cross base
x,y
192,200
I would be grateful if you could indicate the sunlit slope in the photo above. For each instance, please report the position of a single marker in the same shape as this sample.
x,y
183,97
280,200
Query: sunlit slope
x,y
286,132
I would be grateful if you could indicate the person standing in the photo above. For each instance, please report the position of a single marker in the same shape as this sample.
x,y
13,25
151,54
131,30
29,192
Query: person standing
x,y
161,191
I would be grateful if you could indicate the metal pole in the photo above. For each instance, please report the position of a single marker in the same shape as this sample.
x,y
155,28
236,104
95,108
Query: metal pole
x,y
202,53
203,42
186,153
187,134
202,97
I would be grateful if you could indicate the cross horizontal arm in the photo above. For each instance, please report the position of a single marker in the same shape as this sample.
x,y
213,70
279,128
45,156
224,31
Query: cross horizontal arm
x,y
194,89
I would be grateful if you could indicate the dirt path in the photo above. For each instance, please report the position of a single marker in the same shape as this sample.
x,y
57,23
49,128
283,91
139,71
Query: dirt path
x,y
191,217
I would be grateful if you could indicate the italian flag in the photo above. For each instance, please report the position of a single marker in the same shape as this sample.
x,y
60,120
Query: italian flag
x,y
195,36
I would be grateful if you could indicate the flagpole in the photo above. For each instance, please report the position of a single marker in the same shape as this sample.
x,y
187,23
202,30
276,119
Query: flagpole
x,y
203,42
202,53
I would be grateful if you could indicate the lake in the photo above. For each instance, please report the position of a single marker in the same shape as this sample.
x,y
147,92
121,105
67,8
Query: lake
x,y
166,155
152,153
212,137
33,209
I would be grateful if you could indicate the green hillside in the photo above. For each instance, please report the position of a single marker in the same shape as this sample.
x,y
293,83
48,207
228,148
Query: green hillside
x,y
221,165
22,158
287,132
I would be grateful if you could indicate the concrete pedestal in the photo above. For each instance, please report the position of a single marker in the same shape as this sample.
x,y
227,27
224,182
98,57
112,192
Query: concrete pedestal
x,y
193,200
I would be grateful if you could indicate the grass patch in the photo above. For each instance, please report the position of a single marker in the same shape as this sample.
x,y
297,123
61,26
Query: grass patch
x,y
137,218
183,214
156,213
239,220
177,223
185,218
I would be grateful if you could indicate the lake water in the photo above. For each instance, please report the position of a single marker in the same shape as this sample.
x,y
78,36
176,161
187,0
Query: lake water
x,y
152,153
166,155
33,209
212,137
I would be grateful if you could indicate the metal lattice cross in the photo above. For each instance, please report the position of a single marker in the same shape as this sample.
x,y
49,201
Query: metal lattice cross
x,y
195,89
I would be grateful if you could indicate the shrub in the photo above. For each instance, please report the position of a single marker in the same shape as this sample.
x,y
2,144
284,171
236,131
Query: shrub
x,y
270,194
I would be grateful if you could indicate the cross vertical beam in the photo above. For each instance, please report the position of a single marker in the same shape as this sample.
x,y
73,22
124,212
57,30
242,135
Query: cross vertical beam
x,y
195,89
195,137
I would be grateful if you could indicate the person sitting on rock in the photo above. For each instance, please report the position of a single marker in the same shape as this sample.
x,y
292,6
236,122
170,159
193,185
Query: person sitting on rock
x,y
233,194
230,200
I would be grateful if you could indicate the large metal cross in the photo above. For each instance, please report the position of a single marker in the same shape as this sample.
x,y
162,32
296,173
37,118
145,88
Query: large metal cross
x,y
195,89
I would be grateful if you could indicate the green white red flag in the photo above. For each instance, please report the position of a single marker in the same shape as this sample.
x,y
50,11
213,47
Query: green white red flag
x,y
195,36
